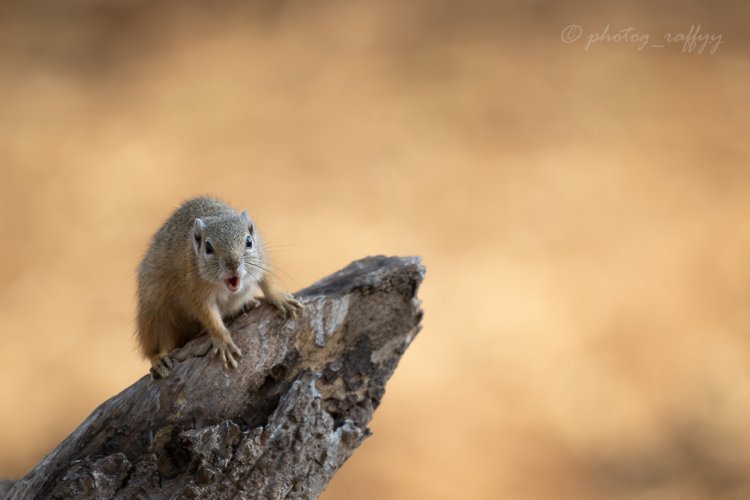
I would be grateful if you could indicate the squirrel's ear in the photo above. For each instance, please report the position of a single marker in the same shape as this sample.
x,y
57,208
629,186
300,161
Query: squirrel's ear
x,y
198,234
250,226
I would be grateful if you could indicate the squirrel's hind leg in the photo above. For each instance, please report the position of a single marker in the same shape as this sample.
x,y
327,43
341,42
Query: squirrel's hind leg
x,y
161,365
157,338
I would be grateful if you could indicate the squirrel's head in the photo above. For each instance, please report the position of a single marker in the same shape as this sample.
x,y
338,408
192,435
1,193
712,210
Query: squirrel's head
x,y
226,250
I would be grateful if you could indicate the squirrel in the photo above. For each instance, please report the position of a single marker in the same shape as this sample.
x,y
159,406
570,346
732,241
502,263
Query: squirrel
x,y
204,265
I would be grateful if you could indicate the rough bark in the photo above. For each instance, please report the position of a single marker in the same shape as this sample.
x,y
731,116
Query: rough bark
x,y
279,426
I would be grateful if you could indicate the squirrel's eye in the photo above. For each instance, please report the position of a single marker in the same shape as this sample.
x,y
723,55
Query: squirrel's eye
x,y
248,242
209,248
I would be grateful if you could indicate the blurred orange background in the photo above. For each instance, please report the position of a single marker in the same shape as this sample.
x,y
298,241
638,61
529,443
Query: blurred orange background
x,y
582,214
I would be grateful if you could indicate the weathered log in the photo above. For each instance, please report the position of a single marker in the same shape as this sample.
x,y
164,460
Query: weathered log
x,y
279,426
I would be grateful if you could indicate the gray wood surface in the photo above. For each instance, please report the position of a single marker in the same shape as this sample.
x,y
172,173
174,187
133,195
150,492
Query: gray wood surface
x,y
277,427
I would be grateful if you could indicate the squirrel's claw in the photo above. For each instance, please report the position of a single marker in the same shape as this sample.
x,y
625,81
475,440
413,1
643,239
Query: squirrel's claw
x,y
228,351
287,305
161,366
251,304
293,306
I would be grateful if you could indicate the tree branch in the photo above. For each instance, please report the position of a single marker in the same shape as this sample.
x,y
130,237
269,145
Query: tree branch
x,y
279,426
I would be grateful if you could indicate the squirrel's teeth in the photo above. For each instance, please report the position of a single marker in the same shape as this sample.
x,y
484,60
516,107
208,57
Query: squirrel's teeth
x,y
233,283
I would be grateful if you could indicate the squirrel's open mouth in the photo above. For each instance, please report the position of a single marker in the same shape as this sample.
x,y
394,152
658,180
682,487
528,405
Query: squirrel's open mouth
x,y
232,283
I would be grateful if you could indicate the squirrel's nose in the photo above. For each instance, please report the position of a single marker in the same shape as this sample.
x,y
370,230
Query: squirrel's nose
x,y
233,266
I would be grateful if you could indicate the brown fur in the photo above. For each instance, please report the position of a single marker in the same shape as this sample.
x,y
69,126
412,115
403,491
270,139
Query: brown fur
x,y
180,293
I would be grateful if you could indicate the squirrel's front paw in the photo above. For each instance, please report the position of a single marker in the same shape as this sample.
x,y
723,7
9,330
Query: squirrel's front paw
x,y
288,305
227,350
250,305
